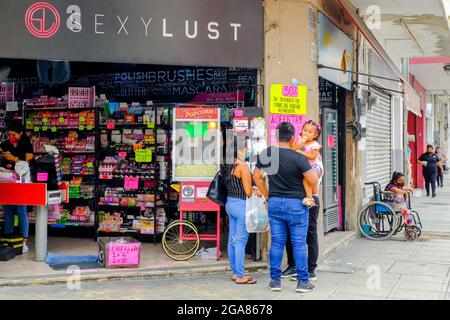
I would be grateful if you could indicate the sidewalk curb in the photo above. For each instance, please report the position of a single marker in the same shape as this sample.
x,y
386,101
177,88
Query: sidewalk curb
x,y
124,275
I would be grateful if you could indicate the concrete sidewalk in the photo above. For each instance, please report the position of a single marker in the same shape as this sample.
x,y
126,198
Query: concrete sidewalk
x,y
435,212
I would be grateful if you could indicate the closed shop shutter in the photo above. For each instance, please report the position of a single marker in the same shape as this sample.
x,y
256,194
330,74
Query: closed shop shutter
x,y
379,141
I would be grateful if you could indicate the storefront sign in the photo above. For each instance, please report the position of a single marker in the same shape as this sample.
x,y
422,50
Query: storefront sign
x,y
173,32
288,99
197,113
276,119
335,51
327,94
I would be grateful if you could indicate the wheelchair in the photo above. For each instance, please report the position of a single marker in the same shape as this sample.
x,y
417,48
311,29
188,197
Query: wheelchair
x,y
378,220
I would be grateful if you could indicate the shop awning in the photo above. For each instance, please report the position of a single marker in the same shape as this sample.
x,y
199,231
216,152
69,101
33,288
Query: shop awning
x,y
410,94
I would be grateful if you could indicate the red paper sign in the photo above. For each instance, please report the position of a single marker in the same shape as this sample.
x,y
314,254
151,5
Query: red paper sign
x,y
110,125
131,183
42,176
197,113
331,141
122,154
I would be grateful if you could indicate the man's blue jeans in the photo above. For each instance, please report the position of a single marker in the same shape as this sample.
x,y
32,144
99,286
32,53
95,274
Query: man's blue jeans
x,y
21,211
237,236
288,214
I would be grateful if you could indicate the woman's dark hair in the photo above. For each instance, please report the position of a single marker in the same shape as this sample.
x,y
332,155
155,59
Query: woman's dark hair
x,y
315,124
285,131
396,175
16,126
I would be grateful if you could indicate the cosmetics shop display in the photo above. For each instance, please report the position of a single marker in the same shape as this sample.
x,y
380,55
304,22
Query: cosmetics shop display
x,y
132,172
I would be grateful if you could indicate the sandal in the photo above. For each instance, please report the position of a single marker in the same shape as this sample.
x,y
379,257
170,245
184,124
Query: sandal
x,y
250,280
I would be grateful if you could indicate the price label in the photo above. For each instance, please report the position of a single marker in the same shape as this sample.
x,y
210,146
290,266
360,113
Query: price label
x,y
61,119
90,165
82,118
44,120
44,128
42,176
81,127
144,155
12,106
131,183
122,154
89,127
54,129
110,125
36,129
151,125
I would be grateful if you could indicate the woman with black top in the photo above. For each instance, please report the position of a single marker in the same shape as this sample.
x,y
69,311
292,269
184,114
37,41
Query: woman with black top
x,y
238,180
17,148
430,164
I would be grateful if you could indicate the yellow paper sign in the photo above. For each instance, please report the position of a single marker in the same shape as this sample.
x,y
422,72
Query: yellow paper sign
x,y
288,99
143,155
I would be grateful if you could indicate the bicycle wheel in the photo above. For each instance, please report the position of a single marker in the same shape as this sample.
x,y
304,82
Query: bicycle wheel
x,y
181,240
378,221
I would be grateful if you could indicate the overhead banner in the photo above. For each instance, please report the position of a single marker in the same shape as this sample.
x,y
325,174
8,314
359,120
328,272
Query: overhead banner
x,y
171,32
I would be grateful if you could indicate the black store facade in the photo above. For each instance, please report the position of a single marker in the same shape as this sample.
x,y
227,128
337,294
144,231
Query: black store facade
x,y
164,51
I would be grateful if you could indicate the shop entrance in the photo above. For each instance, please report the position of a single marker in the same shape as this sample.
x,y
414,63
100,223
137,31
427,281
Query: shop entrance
x,y
332,109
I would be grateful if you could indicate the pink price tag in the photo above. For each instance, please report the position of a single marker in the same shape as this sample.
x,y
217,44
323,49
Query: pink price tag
x,y
331,141
122,154
42,176
110,125
238,113
290,91
124,254
131,183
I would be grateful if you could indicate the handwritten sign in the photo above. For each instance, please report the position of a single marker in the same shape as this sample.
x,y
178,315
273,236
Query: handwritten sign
x,y
110,125
131,183
276,119
122,254
12,106
122,154
286,99
42,176
144,155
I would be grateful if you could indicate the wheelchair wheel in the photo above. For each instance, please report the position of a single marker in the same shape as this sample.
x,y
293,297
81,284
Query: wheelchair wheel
x,y
378,221
180,240
411,234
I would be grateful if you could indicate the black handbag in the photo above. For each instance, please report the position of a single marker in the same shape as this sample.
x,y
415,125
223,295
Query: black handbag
x,y
217,191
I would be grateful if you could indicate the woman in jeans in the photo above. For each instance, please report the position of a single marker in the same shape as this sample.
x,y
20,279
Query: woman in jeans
x,y
238,180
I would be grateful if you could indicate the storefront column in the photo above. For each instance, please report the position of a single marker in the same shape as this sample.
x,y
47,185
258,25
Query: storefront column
x,y
41,233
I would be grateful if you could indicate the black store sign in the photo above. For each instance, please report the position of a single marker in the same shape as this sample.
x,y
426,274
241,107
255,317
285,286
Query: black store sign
x,y
170,32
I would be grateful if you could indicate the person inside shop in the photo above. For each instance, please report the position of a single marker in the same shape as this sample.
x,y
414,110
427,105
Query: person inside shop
x,y
239,184
443,159
286,170
16,148
308,145
430,165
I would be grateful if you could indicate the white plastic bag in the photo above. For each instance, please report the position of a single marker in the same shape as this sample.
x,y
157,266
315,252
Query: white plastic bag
x,y
256,216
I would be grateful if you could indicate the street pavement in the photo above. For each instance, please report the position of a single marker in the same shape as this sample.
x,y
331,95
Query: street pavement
x,y
363,269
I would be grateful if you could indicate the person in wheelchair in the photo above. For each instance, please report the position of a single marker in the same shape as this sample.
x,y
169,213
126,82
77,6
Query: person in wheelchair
x,y
398,191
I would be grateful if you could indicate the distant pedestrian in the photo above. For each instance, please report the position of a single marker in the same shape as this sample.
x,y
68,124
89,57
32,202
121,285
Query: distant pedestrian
x,y
286,170
238,180
443,159
430,164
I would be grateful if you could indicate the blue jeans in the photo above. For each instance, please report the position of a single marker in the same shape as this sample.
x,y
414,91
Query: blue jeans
x,y
237,235
288,215
21,211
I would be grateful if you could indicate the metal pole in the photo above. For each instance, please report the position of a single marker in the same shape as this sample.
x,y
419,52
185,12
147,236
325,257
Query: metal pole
x,y
41,233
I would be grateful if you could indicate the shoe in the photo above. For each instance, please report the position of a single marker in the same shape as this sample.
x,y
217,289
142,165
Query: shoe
x,y
305,287
312,276
293,278
275,285
428,194
434,195
292,270
25,248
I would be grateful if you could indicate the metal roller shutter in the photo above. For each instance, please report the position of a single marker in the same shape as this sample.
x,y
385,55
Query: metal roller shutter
x,y
379,141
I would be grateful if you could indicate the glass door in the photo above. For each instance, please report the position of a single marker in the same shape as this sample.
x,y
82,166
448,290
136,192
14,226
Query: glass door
x,y
330,158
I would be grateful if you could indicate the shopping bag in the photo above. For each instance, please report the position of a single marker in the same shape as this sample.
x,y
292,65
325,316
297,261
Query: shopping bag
x,y
256,216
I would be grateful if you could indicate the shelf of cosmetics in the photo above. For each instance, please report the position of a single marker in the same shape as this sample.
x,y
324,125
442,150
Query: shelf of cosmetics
x,y
79,216
148,222
115,167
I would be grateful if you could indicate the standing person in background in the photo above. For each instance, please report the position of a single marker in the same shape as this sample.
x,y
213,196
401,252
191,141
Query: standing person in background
x,y
442,159
238,180
430,164
286,170
17,148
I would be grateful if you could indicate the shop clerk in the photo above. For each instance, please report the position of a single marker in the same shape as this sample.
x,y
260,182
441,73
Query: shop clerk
x,y
17,148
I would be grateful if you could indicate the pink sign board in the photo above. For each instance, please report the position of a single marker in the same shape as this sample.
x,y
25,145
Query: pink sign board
x,y
122,154
42,176
110,125
131,183
331,141
276,119
124,254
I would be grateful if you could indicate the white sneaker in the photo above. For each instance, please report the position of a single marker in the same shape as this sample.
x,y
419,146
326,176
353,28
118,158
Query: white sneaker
x,y
25,248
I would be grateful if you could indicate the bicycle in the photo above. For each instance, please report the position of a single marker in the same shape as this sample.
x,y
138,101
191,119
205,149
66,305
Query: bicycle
x,y
378,220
